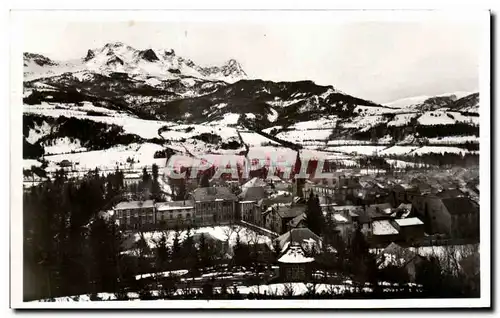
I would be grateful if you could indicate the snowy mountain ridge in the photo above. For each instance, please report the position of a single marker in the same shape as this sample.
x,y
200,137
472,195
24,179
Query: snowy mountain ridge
x,y
118,57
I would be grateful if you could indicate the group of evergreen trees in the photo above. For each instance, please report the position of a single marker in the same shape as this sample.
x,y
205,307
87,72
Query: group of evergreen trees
x,y
68,246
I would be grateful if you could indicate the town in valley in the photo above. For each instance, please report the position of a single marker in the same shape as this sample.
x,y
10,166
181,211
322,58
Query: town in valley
x,y
331,197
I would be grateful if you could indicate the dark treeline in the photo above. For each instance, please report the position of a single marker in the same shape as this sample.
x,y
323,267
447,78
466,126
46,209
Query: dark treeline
x,y
399,133
68,247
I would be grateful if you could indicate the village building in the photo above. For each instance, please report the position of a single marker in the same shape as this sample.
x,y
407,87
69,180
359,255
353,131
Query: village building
x,y
135,215
131,178
457,217
175,214
249,210
382,232
277,217
403,193
214,205
347,188
410,229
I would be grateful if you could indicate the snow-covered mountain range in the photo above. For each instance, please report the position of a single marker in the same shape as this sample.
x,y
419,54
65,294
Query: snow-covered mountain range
x,y
119,102
119,57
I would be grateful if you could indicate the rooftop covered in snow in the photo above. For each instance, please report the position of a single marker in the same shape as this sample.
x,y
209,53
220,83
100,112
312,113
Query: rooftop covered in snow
x,y
409,221
383,227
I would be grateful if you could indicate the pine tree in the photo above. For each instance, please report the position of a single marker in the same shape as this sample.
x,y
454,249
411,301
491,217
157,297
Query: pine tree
x,y
155,190
162,253
314,219
176,246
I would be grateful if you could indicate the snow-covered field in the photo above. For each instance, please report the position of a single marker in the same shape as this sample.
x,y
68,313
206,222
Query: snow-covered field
x,y
300,136
255,139
364,123
441,150
141,154
360,150
324,123
28,163
453,140
440,117
178,132
397,150
402,119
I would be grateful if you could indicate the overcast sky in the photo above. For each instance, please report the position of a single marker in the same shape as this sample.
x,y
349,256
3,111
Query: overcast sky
x,y
379,61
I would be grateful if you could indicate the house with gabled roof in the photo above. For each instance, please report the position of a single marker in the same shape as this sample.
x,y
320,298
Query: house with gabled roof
x,y
456,217
299,246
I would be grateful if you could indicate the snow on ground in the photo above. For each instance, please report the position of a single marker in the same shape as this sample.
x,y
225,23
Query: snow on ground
x,y
299,136
435,118
250,115
38,132
152,81
403,164
63,145
255,139
472,120
179,272
342,142
228,119
361,150
364,123
374,110
397,150
280,289
142,154
452,140
324,123
402,119
282,103
316,154
442,150
28,163
272,116
409,102
144,128
179,132
279,155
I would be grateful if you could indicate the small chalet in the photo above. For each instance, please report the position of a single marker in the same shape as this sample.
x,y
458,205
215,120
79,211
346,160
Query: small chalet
x,y
297,258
